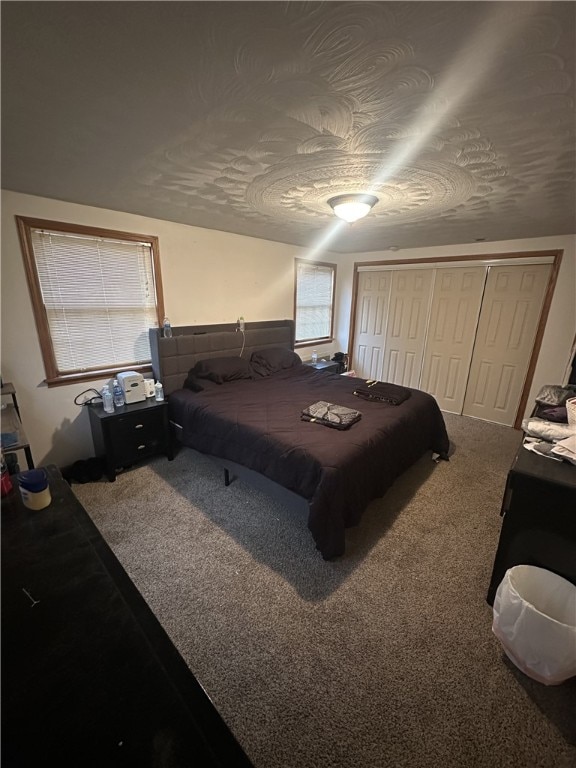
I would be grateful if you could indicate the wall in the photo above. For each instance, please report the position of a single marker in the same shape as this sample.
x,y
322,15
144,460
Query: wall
x,y
208,277
560,328
211,277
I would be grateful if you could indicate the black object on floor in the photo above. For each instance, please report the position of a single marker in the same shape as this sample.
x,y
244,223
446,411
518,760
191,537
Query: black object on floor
x,y
89,677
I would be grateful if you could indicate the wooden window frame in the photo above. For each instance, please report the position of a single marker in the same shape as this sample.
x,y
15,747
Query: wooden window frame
x,y
325,339
25,226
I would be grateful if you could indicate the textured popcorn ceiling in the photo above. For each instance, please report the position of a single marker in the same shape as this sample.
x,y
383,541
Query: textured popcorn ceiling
x,y
247,117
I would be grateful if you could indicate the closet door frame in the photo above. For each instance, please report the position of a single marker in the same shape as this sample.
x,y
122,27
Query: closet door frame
x,y
489,259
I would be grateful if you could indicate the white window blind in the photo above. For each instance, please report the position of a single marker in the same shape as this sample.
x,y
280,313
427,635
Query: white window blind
x,y
314,296
100,299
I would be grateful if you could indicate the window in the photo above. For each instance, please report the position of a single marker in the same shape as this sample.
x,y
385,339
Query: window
x,y
314,301
95,293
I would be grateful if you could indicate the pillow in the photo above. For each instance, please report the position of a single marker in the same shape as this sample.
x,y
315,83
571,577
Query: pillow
x,y
273,359
221,369
191,382
199,385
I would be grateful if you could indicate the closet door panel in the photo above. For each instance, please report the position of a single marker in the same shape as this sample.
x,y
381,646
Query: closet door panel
x,y
506,331
371,318
453,319
406,328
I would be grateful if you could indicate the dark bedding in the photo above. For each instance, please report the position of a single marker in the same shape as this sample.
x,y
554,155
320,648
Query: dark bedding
x,y
257,423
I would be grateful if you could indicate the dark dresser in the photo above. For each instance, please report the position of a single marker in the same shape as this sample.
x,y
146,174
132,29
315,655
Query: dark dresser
x,y
89,677
539,518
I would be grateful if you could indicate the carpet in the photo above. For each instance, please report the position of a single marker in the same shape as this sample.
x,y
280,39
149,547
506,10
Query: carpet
x,y
383,657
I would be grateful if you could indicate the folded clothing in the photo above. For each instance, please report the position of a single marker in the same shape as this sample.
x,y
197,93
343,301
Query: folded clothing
x,y
541,447
382,391
330,415
566,449
558,414
547,430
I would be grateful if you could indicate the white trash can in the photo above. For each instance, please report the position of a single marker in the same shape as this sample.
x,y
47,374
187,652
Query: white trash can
x,y
534,618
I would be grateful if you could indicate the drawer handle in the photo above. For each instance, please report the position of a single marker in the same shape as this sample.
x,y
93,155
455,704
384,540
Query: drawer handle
x,y
138,426
141,447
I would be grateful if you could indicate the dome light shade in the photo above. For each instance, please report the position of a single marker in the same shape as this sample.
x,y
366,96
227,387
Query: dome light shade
x,y
352,207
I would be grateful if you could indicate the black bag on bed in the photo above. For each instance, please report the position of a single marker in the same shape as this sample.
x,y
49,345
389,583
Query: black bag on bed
x,y
383,392
330,415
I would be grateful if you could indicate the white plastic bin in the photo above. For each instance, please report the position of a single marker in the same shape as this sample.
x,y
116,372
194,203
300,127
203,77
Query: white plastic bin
x,y
534,618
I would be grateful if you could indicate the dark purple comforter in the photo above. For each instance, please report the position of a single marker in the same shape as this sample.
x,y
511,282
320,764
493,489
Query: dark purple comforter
x,y
257,424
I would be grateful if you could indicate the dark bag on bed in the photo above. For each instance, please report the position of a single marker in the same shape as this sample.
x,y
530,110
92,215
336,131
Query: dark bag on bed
x,y
383,392
330,415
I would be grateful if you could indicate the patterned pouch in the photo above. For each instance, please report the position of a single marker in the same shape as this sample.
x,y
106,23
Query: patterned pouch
x,y
553,394
330,415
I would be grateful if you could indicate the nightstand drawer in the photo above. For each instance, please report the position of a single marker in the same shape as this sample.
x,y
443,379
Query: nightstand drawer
x,y
135,435
137,426
137,447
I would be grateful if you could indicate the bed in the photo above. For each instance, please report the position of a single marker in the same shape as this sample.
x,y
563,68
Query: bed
x,y
243,403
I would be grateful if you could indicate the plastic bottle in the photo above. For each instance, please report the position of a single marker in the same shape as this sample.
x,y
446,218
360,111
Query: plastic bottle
x,y
158,391
314,356
119,398
166,329
107,399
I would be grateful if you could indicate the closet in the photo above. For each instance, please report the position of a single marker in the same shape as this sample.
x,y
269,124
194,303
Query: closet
x,y
464,332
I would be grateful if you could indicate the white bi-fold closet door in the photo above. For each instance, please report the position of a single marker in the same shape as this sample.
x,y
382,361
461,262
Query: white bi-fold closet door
x,y
463,333
455,308
391,323
507,327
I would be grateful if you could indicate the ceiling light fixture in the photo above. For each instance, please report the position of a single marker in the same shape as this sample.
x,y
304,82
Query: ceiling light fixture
x,y
352,207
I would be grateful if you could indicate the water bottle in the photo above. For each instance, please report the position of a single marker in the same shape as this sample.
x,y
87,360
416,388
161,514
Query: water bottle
x,y
167,329
158,391
314,357
107,399
119,398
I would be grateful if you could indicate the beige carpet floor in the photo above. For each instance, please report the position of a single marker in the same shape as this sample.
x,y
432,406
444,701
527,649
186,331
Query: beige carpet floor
x,y
384,657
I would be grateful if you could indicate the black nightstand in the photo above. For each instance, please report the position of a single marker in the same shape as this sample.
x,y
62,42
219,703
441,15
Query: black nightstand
x,y
328,366
131,433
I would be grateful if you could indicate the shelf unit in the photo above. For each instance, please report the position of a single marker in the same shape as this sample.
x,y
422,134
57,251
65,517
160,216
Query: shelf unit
x,y
13,434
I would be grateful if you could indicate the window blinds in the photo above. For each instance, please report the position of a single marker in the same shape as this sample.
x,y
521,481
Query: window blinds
x,y
314,292
99,297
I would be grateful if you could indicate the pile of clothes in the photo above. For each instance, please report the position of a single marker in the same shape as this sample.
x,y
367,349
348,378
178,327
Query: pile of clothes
x,y
551,431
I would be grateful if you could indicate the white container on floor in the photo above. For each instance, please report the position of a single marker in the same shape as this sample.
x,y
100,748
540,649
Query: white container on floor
x,y
34,489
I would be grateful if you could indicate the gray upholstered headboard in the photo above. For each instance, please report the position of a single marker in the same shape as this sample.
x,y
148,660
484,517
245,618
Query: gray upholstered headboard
x,y
173,358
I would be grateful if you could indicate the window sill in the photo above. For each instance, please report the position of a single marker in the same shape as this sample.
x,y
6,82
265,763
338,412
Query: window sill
x,y
313,343
104,373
